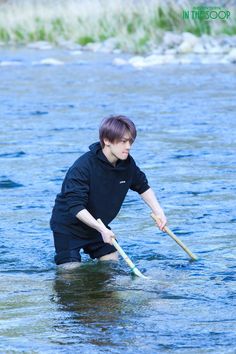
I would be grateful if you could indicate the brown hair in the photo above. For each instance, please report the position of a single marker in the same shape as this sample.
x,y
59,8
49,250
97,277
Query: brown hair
x,y
114,128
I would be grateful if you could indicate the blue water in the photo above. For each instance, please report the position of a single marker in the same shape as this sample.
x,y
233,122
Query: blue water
x,y
186,144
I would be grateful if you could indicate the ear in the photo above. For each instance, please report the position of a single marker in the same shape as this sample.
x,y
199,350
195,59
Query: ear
x,y
106,142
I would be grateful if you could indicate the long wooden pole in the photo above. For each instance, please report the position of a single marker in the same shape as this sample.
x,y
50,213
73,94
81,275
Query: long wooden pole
x,y
124,255
177,240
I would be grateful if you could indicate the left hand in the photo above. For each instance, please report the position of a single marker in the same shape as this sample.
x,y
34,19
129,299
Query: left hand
x,y
161,220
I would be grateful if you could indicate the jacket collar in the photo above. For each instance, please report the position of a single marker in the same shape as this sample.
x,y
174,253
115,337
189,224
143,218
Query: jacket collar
x,y
96,149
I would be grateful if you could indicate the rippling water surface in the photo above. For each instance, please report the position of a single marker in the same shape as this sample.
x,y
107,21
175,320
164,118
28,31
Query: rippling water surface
x,y
185,116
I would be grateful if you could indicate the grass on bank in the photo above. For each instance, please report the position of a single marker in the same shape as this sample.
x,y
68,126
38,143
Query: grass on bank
x,y
134,25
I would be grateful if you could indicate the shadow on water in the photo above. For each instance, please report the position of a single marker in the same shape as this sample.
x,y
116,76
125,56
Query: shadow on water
x,y
94,311
101,305
87,293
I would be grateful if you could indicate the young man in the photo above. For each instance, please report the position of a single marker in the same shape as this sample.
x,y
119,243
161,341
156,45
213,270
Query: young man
x,y
95,187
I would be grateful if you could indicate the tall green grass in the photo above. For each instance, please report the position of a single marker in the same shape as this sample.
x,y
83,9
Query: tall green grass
x,y
134,25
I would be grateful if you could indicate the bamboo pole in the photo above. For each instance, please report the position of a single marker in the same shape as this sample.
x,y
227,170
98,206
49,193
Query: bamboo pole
x,y
176,239
124,255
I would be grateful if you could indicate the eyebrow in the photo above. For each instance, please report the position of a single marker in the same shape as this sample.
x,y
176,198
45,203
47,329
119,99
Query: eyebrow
x,y
127,138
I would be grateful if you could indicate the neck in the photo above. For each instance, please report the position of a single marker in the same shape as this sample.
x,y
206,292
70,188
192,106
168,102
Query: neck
x,y
110,157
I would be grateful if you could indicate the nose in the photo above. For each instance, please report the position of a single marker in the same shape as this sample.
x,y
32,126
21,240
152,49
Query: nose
x,y
128,145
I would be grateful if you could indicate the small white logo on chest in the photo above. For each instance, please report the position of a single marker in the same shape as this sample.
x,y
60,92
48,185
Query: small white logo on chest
x,y
122,182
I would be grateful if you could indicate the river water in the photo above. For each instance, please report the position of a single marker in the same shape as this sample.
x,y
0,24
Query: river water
x,y
185,117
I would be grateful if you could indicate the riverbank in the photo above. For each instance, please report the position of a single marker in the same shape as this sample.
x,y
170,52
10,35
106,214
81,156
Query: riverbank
x,y
166,31
176,49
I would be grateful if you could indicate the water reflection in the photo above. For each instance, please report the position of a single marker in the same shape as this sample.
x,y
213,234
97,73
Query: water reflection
x,y
101,305
87,293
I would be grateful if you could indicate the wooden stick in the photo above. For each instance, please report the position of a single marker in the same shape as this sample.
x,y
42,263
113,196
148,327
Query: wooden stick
x,y
177,240
124,255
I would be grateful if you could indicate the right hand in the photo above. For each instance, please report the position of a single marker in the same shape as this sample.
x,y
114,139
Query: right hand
x,y
161,220
107,235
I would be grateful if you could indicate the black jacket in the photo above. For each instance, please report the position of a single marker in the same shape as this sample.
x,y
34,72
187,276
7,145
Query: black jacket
x,y
93,183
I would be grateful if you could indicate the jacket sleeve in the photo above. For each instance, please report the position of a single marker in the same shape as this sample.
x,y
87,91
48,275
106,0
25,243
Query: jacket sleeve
x,y
139,181
75,190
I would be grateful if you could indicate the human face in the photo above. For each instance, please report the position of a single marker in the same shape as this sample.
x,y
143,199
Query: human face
x,y
118,150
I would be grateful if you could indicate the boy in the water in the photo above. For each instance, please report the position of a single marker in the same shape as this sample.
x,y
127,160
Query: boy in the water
x,y
95,187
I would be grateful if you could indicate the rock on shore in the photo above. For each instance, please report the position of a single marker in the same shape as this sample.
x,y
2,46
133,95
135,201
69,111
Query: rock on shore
x,y
187,48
